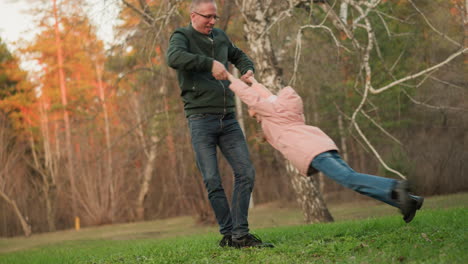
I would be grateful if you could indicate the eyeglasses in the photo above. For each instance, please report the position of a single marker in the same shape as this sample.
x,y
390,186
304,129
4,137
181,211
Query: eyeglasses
x,y
208,16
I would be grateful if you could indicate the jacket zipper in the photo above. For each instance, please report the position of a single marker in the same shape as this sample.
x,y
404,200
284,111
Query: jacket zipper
x,y
224,88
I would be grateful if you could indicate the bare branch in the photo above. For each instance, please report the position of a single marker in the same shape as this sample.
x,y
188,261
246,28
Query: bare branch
x,y
370,6
391,17
414,76
397,61
367,86
433,28
276,19
425,79
385,24
447,83
341,25
433,106
149,20
297,53
381,128
374,151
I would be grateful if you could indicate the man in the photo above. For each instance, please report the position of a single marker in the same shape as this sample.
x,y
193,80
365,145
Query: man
x,y
200,53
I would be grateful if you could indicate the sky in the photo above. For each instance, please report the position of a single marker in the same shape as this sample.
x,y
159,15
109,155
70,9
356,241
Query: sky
x,y
12,22
16,23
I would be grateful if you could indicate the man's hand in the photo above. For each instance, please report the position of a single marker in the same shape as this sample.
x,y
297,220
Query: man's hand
x,y
234,81
219,71
245,77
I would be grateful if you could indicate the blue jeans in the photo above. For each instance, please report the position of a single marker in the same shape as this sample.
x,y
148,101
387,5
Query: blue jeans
x,y
209,131
331,164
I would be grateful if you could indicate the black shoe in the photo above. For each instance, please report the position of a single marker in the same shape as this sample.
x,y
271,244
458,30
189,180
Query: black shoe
x,y
249,240
226,241
403,199
417,203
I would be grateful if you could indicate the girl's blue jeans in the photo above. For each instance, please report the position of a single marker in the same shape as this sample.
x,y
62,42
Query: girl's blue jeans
x,y
332,165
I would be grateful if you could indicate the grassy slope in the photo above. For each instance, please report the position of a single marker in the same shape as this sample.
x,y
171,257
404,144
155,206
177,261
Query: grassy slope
x,y
435,236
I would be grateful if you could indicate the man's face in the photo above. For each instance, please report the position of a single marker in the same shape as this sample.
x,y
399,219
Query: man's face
x,y
204,18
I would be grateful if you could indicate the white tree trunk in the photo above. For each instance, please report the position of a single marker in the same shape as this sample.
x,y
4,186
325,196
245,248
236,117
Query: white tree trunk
x,y
240,119
309,197
150,151
147,176
48,170
109,174
259,16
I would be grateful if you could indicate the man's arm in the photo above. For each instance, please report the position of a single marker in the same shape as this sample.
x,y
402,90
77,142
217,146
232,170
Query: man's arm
x,y
179,58
242,62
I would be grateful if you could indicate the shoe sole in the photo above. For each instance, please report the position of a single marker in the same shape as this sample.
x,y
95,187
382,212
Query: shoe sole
x,y
420,203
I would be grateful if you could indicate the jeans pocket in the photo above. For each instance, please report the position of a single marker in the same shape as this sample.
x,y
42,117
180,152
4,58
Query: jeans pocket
x,y
197,117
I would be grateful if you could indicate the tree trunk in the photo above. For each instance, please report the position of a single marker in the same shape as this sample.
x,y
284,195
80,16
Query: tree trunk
x,y
24,225
150,151
109,174
172,157
46,167
240,119
147,176
309,197
66,118
259,15
465,35
256,29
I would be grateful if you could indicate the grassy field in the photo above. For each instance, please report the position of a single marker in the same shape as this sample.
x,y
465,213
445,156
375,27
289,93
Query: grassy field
x,y
364,232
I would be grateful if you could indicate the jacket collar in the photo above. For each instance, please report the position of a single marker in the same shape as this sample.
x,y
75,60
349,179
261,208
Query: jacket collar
x,y
211,35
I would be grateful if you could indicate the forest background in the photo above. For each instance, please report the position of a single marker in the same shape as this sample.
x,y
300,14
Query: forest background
x,y
99,132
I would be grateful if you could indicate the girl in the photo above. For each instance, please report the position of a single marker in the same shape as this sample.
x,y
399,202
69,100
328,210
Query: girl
x,y
310,150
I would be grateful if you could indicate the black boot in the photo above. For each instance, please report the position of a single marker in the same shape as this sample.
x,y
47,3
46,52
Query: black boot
x,y
226,241
249,240
407,204
417,202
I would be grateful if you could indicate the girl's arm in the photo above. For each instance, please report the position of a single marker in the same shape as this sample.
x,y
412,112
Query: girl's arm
x,y
247,95
255,97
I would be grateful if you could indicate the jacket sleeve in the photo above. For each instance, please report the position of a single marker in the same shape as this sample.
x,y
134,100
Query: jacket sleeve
x,y
252,98
237,57
179,57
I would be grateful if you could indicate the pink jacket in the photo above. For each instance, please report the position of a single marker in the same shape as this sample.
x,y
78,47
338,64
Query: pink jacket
x,y
282,120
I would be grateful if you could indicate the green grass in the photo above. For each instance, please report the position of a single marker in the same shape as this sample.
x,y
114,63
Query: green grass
x,y
438,234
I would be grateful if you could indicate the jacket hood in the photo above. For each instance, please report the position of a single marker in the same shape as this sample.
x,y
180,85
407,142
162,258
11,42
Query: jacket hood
x,y
289,100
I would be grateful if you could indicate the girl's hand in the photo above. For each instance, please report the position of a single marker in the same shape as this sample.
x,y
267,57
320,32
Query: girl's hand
x,y
246,76
231,77
252,80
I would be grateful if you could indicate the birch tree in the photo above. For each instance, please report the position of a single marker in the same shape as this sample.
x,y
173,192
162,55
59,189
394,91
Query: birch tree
x,y
354,34
260,17
151,20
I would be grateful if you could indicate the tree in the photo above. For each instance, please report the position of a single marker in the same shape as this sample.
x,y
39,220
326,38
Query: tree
x,y
73,98
66,118
14,91
260,17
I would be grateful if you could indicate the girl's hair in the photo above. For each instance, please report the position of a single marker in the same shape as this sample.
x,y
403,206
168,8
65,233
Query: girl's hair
x,y
196,3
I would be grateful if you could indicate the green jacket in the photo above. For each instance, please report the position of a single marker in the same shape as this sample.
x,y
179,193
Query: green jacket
x,y
192,53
